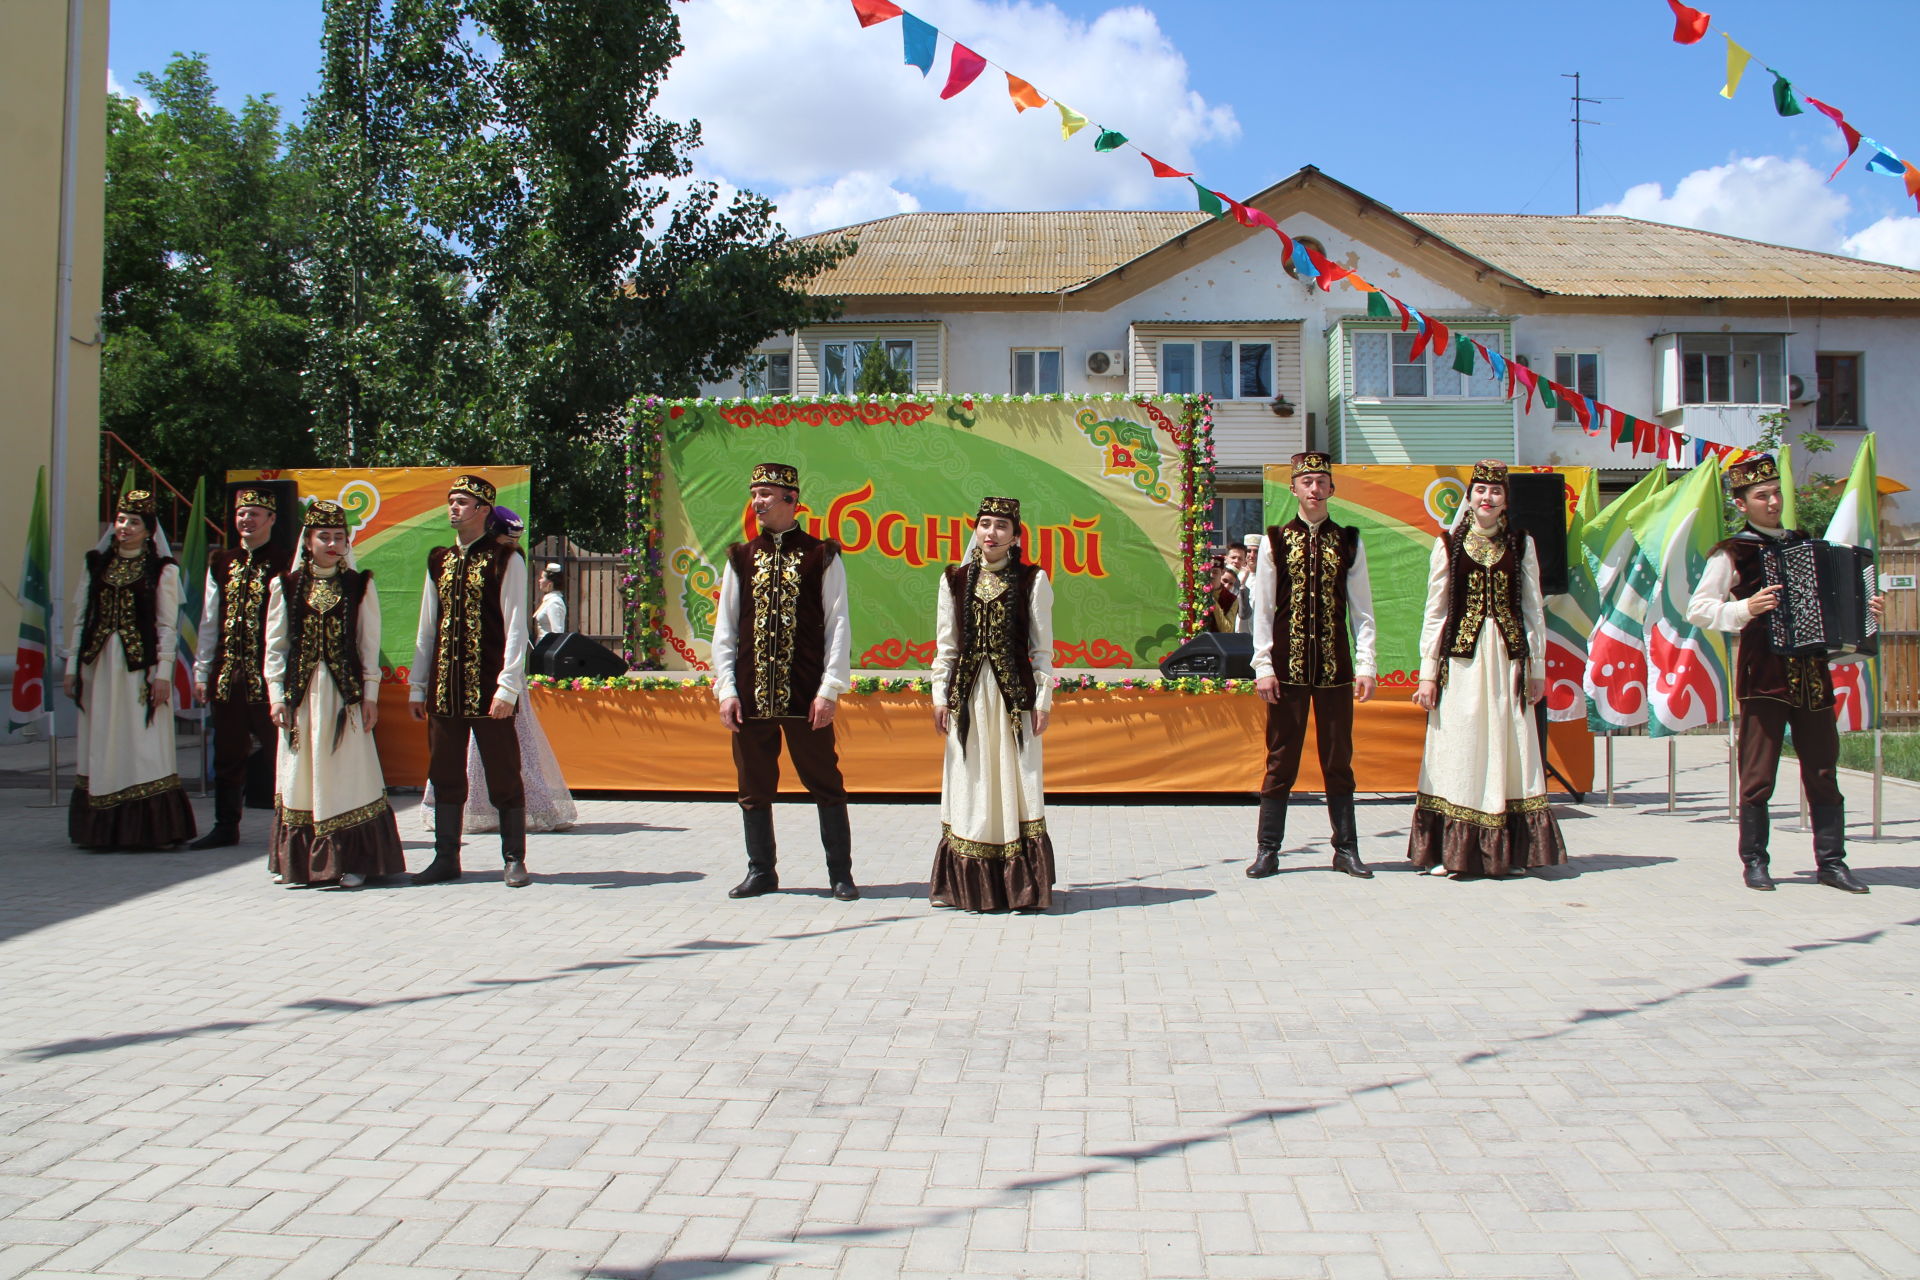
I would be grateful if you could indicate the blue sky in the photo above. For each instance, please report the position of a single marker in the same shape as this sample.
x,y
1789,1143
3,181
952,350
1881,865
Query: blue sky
x,y
1425,106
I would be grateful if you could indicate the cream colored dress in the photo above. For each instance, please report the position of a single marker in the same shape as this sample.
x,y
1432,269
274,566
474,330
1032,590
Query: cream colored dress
x,y
331,815
127,792
994,850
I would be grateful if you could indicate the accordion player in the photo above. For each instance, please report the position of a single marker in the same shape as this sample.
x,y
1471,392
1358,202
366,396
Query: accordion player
x,y
1826,592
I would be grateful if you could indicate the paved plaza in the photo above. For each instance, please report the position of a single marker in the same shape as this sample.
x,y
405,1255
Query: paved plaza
x,y
1635,1068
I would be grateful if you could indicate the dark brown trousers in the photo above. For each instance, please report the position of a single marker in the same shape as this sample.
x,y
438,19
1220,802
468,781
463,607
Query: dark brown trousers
x,y
239,727
1332,709
756,761
499,759
1816,741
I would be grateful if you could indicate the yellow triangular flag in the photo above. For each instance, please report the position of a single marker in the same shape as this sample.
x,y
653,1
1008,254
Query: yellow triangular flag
x,y
1071,121
1737,59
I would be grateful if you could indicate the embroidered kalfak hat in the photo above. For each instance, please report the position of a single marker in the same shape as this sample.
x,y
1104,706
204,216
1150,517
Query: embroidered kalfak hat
x,y
477,487
139,502
1311,463
787,477
1489,471
322,514
1743,475
1008,507
255,498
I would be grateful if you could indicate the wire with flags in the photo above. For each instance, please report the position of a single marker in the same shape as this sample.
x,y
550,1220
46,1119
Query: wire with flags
x,y
1690,26
920,43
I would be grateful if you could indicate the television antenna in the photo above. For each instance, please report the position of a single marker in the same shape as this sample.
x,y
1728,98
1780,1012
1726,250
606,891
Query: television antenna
x,y
1574,76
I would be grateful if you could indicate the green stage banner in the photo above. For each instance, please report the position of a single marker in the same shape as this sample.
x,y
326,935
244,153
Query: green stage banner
x,y
1399,511
399,514
1113,502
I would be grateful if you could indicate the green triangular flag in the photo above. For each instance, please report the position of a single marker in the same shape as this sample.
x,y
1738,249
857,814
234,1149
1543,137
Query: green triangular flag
x,y
1109,140
1462,355
1209,203
1783,100
1377,306
1547,397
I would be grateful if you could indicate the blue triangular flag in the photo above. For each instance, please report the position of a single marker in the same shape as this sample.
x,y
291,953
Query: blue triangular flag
x,y
1884,161
919,39
1302,264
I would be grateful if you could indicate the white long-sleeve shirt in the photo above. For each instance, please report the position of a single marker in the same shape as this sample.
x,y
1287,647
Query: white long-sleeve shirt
x,y
280,644
1359,609
1710,606
166,622
946,653
835,679
1433,628
513,613
551,617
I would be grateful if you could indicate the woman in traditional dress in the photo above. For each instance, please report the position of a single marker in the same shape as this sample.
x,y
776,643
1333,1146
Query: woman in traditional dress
x,y
551,617
332,823
550,805
127,792
1483,794
992,695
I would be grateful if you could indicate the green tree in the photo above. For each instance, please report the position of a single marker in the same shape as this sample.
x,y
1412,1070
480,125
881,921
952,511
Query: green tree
x,y
503,263
204,306
879,375
1815,493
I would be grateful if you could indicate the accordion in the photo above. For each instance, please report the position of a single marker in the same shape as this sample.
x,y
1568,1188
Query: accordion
x,y
1824,591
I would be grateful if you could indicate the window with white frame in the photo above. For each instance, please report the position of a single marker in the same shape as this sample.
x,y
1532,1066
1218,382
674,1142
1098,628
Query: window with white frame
x,y
840,362
770,374
1385,368
1581,371
1733,368
1224,368
1036,371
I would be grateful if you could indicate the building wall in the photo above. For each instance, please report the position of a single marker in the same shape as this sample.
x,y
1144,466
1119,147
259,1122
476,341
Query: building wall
x,y
33,64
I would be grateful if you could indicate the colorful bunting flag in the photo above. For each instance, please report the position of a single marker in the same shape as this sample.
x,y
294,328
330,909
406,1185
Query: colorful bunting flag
x,y
1784,103
963,68
1023,94
1689,25
1847,131
1071,121
29,701
1737,59
1377,306
1211,202
873,12
1856,522
1463,357
1109,140
1883,161
918,39
1161,169
1303,265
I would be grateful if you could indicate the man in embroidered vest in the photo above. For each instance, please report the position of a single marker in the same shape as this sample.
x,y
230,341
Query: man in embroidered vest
x,y
1776,692
782,656
229,675
1310,589
469,674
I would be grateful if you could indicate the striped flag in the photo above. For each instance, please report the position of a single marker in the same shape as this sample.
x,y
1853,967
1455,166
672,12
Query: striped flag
x,y
1686,665
193,579
36,610
1856,522
1623,572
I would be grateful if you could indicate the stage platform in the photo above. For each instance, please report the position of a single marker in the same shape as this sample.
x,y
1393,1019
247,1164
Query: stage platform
x,y
1107,741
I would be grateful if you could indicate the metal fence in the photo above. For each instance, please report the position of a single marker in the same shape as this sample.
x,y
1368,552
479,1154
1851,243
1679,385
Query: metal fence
x,y
595,607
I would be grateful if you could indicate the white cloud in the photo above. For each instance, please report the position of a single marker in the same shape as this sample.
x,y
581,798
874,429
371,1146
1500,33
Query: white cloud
x,y
141,100
1895,240
1765,198
797,100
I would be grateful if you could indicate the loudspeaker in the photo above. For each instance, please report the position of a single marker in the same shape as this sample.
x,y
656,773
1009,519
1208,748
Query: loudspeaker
x,y
1213,655
1537,503
568,654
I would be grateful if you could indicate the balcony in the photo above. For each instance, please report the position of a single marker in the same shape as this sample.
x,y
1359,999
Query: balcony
x,y
1735,424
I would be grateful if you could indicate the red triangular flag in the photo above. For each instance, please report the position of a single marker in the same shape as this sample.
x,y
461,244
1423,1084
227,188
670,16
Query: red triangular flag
x,y
964,68
1406,317
1689,25
873,12
1525,377
1255,218
1161,169
1329,274
1442,337
1580,410
1423,338
1847,131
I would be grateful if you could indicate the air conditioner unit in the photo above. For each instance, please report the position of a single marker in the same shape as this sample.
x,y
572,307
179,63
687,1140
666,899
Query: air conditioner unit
x,y
1797,390
1106,364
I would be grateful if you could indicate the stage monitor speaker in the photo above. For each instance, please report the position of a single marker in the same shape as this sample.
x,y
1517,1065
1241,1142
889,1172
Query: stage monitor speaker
x,y
1537,503
1213,655
568,654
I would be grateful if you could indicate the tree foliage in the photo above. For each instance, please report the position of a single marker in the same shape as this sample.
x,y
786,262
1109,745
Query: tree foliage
x,y
879,374
204,306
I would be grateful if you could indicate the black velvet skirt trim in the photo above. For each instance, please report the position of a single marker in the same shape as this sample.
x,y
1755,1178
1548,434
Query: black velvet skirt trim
x,y
1015,877
155,817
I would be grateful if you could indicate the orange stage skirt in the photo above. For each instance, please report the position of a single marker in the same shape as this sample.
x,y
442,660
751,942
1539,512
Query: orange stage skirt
x,y
1123,742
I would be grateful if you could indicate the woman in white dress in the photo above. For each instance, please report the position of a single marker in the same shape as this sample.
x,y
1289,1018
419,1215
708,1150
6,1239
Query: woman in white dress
x,y
551,617
126,792
332,823
1483,808
550,805
992,698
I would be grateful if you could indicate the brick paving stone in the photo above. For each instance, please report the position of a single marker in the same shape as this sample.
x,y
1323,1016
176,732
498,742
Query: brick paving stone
x,y
1628,1068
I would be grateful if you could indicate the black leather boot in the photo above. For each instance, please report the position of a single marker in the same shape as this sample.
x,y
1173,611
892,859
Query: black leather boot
x,y
513,846
228,800
1753,847
760,855
447,820
1270,835
1830,848
836,837
1346,837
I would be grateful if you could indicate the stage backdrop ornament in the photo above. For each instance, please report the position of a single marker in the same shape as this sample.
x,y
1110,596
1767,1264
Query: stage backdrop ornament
x,y
323,514
1689,25
787,477
476,487
254,498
